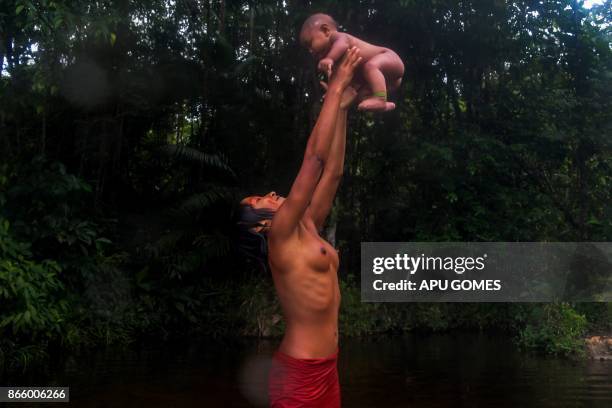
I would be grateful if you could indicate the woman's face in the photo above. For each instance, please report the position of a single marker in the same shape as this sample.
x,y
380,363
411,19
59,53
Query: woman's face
x,y
270,201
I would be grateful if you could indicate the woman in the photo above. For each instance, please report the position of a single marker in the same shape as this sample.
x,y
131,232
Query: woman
x,y
304,266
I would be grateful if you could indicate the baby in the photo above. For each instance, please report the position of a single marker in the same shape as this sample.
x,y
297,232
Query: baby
x,y
382,70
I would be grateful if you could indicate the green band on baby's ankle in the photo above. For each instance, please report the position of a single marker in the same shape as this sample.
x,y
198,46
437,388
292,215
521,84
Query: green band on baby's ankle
x,y
380,94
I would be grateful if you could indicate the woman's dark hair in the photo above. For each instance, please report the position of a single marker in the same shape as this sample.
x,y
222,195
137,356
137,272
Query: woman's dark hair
x,y
250,243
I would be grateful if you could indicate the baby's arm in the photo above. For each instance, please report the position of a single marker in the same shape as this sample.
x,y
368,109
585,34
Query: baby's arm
x,y
339,46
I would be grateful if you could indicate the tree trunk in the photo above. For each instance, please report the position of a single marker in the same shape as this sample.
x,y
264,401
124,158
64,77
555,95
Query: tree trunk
x,y
43,133
9,52
221,17
330,230
2,42
252,27
4,135
208,17
118,147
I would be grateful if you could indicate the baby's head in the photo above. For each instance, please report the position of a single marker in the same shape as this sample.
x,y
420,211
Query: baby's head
x,y
316,34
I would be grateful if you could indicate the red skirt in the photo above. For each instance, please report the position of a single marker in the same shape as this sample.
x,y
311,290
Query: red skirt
x,y
310,382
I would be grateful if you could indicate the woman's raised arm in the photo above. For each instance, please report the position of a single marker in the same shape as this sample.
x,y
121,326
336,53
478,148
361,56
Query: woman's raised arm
x,y
317,151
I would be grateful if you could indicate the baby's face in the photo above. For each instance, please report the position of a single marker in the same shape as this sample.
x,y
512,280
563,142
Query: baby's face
x,y
316,41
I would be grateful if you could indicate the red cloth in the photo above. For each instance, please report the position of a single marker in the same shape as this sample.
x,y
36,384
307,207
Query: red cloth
x,y
310,382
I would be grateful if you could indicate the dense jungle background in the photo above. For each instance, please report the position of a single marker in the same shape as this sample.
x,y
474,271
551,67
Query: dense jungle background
x,y
129,131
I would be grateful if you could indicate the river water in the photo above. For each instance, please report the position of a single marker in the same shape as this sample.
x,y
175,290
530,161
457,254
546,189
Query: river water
x,y
441,370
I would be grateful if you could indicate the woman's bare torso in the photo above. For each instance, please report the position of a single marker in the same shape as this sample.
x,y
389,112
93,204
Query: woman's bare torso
x,y
305,273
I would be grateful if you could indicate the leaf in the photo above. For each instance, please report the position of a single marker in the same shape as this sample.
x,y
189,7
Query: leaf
x,y
57,21
113,38
18,9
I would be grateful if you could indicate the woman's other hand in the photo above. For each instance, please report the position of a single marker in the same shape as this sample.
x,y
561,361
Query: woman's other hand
x,y
343,75
348,96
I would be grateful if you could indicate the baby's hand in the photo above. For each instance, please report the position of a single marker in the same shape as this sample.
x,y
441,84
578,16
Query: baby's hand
x,y
325,65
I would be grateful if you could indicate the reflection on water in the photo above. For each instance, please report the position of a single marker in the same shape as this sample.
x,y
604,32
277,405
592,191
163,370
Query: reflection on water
x,y
466,370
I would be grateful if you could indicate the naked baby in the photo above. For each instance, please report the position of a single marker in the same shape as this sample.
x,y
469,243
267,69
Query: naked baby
x,y
382,68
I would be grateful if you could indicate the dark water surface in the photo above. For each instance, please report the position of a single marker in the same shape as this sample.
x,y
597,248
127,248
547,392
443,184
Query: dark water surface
x,y
450,370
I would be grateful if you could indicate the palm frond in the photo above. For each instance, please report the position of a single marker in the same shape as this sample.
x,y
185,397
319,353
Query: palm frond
x,y
199,202
212,246
183,265
216,161
166,244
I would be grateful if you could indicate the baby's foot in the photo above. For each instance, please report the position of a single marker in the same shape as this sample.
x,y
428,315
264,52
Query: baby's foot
x,y
376,104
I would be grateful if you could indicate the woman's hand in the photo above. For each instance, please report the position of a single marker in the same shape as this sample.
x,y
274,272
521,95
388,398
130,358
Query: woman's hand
x,y
348,96
343,75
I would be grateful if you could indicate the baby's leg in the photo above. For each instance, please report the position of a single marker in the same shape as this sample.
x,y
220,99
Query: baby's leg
x,y
364,93
387,64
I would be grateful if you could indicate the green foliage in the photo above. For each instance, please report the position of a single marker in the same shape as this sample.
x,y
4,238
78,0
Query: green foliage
x,y
555,329
247,307
259,309
360,318
34,309
48,208
168,112
196,226
31,291
598,315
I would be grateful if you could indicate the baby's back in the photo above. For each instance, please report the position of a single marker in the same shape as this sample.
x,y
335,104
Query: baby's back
x,y
367,50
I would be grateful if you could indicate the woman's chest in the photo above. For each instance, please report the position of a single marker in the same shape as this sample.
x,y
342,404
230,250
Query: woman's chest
x,y
319,254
